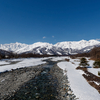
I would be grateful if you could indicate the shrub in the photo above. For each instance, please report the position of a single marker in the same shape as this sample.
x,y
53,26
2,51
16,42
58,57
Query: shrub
x,y
96,64
99,73
83,62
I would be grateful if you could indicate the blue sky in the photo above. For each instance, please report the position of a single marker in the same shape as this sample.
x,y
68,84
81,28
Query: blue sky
x,y
29,21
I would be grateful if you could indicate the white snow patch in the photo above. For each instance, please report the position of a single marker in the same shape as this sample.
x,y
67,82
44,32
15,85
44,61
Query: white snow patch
x,y
59,58
26,62
2,80
94,71
59,53
3,62
90,62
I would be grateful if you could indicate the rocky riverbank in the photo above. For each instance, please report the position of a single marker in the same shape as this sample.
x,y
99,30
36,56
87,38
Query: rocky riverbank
x,y
44,82
11,81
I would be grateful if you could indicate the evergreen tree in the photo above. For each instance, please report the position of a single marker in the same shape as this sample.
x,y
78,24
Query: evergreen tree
x,y
97,64
83,62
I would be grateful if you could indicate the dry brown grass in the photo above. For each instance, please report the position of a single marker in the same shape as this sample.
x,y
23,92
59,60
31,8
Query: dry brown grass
x,y
92,59
72,63
95,86
82,68
91,79
67,59
96,67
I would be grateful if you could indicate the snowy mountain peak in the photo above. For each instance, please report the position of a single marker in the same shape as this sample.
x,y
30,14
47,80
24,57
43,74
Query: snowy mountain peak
x,y
77,44
94,41
47,48
35,45
12,46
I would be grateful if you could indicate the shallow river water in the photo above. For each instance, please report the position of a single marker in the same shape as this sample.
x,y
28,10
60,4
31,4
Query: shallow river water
x,y
42,87
43,82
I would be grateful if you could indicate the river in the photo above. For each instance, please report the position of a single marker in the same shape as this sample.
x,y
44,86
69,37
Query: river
x,y
44,82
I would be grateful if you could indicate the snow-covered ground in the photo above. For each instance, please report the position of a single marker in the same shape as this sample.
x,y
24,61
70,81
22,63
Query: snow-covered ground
x,y
25,62
90,68
78,84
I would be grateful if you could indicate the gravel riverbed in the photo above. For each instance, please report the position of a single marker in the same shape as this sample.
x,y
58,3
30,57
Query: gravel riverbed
x,y
43,82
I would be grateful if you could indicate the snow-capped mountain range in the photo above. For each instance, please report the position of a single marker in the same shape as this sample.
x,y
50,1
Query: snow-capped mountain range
x,y
61,48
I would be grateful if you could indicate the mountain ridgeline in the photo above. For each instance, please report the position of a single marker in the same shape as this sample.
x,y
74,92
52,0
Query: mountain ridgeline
x,y
46,49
